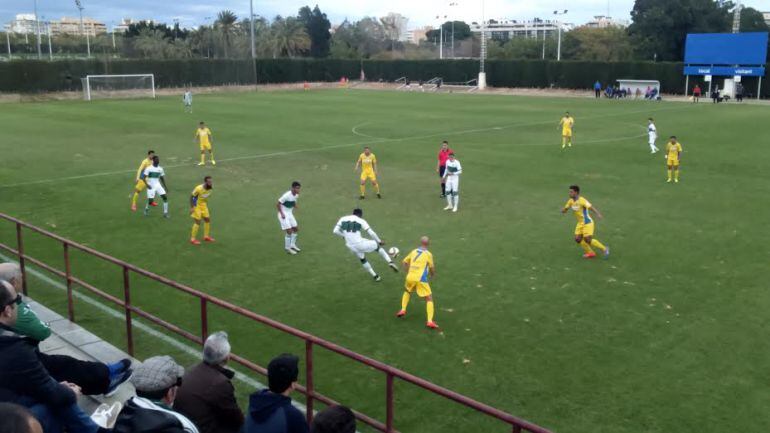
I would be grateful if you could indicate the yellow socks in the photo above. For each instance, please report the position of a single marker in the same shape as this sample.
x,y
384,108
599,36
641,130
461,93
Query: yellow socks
x,y
211,155
134,198
194,233
363,190
377,188
429,309
586,247
597,244
676,175
405,300
203,158
669,174
563,142
206,229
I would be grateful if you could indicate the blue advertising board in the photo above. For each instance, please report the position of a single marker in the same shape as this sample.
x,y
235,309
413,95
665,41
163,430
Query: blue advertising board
x,y
726,49
725,71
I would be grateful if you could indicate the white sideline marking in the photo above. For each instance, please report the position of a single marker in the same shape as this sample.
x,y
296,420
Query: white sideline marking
x,y
316,149
189,350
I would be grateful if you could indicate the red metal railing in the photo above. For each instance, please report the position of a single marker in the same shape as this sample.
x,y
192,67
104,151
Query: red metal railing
x,y
516,424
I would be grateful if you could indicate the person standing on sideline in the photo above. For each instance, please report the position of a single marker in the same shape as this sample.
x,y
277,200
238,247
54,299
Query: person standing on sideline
x,y
652,133
696,92
187,100
443,155
598,89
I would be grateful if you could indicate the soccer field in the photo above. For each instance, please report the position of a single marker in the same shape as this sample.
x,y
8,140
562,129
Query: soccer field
x,y
667,335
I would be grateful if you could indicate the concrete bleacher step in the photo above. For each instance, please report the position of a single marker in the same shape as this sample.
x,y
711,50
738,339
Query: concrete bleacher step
x,y
71,339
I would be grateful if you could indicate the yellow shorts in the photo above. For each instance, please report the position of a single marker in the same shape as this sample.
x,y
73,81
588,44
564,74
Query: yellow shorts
x,y
206,146
423,289
584,229
368,174
140,185
200,212
673,162
566,133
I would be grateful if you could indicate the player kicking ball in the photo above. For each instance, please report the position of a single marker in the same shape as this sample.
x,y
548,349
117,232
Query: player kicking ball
x,y
584,230
155,179
420,270
452,180
350,228
199,210
286,206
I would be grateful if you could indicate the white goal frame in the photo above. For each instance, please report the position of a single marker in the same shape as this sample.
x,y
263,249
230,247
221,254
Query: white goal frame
x,y
87,82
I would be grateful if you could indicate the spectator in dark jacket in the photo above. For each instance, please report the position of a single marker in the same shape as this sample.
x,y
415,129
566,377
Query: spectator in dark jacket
x,y
270,410
25,381
92,377
16,419
334,419
207,395
156,381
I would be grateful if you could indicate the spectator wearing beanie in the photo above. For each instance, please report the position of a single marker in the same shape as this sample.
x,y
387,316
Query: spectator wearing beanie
x,y
334,419
270,410
207,395
156,381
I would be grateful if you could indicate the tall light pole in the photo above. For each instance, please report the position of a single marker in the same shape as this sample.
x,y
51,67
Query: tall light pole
x,y
211,37
48,31
453,29
82,28
37,31
253,45
482,81
8,42
441,37
558,23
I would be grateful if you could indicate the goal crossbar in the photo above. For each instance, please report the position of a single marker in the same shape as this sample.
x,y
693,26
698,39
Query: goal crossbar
x,y
124,91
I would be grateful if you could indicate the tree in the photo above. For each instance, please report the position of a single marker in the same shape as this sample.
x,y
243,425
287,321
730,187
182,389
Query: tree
x,y
317,27
752,20
660,27
609,44
288,37
461,28
151,43
226,21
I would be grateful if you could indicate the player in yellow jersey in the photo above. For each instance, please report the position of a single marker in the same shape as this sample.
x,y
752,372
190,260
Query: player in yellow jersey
x,y
140,184
673,158
567,123
368,163
584,230
203,138
199,210
419,269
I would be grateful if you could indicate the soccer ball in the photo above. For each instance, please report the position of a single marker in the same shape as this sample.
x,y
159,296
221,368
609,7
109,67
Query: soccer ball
x,y
393,251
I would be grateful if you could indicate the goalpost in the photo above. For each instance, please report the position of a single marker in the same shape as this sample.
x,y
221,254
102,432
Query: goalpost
x,y
118,86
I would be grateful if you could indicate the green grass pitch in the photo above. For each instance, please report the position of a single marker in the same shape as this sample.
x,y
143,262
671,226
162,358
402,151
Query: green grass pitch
x,y
668,335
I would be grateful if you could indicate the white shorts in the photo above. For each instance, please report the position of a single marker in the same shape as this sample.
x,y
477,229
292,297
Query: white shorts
x,y
453,183
363,247
287,223
154,190
652,141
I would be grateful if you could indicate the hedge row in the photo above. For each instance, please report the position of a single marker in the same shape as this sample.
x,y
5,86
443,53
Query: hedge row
x,y
30,76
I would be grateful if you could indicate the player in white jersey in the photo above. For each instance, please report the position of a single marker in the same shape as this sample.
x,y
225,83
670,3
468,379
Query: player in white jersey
x,y
286,205
187,100
350,228
652,134
155,179
452,179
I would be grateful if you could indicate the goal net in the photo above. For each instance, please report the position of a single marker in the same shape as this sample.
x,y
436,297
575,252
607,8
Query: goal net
x,y
118,86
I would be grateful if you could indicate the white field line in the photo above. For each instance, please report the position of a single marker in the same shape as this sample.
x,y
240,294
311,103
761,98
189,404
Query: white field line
x,y
358,143
354,130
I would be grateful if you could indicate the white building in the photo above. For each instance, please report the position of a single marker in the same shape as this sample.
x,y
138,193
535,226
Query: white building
x,y
417,35
528,29
73,26
602,22
122,27
23,24
767,17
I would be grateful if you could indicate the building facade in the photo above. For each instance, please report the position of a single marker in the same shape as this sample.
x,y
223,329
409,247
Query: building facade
x,y
71,26
602,22
522,29
23,24
767,18
418,35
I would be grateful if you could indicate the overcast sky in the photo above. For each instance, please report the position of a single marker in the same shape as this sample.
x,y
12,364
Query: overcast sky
x,y
420,12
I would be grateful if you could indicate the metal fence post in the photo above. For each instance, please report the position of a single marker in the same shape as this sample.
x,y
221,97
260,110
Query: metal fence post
x,y
204,321
68,276
20,250
127,308
516,429
389,402
309,380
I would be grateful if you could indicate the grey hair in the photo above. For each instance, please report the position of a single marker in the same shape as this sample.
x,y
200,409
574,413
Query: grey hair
x,y
10,272
216,349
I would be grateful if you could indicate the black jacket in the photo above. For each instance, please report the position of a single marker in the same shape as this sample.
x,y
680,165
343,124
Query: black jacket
x,y
207,397
273,413
23,375
143,416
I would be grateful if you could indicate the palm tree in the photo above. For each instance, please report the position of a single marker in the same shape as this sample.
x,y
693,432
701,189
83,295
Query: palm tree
x,y
226,22
288,37
151,43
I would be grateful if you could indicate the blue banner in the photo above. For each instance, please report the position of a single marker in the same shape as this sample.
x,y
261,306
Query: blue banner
x,y
725,71
726,48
